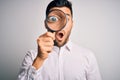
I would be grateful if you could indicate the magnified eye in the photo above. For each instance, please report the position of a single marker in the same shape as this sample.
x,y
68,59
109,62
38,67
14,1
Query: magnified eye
x,y
52,19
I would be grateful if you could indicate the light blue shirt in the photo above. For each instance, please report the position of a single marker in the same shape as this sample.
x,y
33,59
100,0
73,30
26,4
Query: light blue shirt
x,y
69,62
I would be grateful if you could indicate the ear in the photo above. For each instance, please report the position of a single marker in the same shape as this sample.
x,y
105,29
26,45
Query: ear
x,y
72,22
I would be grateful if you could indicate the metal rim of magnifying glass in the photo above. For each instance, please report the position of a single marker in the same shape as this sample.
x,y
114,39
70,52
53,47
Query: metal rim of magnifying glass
x,y
51,30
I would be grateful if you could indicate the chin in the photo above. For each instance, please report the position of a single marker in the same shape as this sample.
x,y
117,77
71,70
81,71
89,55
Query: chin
x,y
60,44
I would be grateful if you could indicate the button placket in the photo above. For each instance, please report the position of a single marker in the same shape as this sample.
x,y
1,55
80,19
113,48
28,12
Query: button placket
x,y
60,62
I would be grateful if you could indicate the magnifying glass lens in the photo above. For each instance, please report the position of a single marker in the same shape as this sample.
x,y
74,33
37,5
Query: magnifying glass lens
x,y
56,20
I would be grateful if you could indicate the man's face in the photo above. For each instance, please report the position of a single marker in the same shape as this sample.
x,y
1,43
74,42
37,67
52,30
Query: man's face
x,y
62,36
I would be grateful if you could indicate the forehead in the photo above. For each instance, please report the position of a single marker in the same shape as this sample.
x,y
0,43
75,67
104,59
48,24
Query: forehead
x,y
64,9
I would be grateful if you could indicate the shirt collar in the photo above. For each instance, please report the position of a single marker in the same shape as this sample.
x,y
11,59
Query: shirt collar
x,y
68,45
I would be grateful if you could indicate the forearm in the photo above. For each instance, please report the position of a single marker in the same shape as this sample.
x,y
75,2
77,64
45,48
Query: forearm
x,y
29,68
37,63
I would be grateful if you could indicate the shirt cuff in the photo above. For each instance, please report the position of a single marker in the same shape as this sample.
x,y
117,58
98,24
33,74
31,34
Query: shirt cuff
x,y
32,72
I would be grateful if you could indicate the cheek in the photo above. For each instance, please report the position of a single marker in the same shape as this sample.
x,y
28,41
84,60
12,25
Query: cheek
x,y
67,30
68,27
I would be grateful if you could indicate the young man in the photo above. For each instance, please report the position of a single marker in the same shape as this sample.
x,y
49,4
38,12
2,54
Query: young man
x,y
63,61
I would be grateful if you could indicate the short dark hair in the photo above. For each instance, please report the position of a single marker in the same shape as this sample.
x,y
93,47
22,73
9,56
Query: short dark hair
x,y
59,3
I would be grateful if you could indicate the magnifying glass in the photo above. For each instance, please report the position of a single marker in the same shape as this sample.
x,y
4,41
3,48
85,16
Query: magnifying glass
x,y
56,20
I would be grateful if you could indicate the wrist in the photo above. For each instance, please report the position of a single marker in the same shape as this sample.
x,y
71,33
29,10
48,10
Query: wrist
x,y
37,63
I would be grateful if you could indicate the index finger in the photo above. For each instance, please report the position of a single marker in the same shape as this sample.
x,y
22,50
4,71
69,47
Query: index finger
x,y
50,34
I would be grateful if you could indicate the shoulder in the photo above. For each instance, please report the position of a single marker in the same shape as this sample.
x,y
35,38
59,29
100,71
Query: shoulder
x,y
82,51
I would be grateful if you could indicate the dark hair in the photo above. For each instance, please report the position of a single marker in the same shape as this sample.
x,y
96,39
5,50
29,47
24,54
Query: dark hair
x,y
59,3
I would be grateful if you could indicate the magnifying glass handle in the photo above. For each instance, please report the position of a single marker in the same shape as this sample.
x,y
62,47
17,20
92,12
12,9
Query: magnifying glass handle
x,y
55,43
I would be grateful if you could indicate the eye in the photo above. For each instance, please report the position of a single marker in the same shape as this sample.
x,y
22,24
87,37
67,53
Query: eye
x,y
52,19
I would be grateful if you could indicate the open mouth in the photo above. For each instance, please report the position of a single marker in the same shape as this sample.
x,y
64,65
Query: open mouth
x,y
60,35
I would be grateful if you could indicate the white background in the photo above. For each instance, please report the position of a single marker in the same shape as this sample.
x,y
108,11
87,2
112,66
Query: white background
x,y
96,26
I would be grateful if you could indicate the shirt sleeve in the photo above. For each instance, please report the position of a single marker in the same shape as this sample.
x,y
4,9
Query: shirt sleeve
x,y
27,71
93,70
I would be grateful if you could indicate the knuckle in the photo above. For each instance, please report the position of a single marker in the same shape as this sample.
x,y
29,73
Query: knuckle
x,y
47,33
49,38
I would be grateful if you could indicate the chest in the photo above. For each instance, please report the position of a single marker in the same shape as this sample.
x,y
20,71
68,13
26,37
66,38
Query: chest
x,y
67,67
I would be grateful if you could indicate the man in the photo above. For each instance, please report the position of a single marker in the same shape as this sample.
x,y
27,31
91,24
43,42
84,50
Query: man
x,y
63,61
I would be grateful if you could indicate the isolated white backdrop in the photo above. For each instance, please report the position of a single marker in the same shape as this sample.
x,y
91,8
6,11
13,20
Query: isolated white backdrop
x,y
96,26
